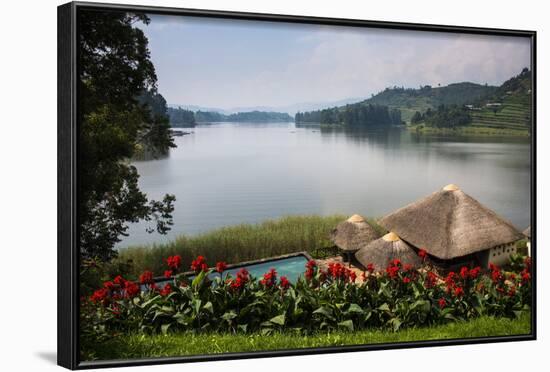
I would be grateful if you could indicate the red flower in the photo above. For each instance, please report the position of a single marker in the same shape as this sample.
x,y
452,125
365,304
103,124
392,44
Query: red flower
x,y
132,289
241,279
120,280
174,262
101,296
459,292
450,280
464,272
146,277
474,273
166,290
525,276
270,278
431,279
311,266
284,283
496,274
109,285
442,303
407,267
221,267
370,268
392,271
512,291
352,276
168,274
406,280
396,262
422,254
199,264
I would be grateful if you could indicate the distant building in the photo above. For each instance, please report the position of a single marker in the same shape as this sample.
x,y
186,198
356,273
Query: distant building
x,y
495,104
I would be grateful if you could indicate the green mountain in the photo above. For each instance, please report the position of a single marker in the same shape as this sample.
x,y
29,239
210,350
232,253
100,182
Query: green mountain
x,y
409,100
509,107
483,109
243,117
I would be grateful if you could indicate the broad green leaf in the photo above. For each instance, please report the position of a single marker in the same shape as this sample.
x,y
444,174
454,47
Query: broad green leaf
x,y
348,324
279,320
354,308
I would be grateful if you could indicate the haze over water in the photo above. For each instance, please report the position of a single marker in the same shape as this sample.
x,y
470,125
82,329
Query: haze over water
x,y
230,173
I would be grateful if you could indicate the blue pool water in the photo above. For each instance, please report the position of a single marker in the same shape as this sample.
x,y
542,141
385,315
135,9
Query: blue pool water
x,y
291,267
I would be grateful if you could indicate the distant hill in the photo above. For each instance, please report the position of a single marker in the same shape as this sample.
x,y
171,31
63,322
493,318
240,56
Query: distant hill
x,y
509,107
409,100
484,109
243,117
289,109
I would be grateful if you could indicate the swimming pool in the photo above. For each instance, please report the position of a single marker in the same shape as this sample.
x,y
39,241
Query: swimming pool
x,y
292,266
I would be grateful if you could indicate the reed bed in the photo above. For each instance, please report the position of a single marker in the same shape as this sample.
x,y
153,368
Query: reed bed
x,y
237,243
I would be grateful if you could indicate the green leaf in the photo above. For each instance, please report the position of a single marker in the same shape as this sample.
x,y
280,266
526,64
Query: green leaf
x,y
164,328
196,304
384,307
229,315
279,320
324,311
209,307
348,324
354,308
396,323
198,280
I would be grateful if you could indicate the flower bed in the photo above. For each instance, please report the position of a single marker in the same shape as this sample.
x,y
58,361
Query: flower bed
x,y
330,299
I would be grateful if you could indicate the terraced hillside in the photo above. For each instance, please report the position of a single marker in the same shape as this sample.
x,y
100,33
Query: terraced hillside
x,y
515,109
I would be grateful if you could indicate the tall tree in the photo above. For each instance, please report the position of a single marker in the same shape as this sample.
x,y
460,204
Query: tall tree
x,y
115,70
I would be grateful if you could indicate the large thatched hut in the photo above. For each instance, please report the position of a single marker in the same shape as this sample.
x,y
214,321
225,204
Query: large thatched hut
x,y
352,234
381,251
455,229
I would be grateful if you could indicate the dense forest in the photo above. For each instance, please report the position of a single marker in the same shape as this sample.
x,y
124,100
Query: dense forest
x,y
352,115
242,117
444,117
181,118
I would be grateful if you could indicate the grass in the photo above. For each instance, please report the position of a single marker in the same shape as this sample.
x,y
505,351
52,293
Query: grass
x,y
180,344
472,130
238,243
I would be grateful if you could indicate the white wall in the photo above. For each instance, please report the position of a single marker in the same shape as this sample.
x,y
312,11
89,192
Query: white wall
x,y
28,181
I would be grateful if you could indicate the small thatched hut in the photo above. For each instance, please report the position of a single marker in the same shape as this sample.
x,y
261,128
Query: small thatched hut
x,y
381,251
527,233
455,229
352,234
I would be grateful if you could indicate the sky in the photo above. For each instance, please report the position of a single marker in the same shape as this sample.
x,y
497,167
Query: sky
x,y
233,63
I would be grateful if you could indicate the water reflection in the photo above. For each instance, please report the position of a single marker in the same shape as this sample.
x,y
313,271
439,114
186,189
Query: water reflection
x,y
225,174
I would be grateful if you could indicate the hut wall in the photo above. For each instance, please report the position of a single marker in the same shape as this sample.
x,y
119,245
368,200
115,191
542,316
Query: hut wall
x,y
500,255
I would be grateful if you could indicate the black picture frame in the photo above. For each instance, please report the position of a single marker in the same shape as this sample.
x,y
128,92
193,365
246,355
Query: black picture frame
x,y
68,251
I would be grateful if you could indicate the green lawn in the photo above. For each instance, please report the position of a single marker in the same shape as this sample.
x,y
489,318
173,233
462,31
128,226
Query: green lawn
x,y
144,346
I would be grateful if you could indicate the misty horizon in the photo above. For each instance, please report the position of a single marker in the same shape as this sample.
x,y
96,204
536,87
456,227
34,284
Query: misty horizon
x,y
230,64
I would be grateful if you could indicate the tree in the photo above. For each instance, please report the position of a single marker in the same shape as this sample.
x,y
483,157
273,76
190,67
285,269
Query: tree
x,y
115,74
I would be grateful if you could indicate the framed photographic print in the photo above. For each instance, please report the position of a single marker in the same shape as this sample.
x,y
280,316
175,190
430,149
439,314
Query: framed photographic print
x,y
237,185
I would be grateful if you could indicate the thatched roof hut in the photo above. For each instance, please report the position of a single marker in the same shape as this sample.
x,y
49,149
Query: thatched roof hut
x,y
353,234
449,223
389,247
527,232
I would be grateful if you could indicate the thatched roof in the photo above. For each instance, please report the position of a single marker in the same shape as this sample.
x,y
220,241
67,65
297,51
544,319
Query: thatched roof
x,y
389,247
353,233
449,223
527,232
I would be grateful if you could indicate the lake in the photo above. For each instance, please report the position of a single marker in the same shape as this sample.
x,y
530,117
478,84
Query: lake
x,y
231,173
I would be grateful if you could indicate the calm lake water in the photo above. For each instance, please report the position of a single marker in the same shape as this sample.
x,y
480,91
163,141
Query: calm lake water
x,y
230,173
